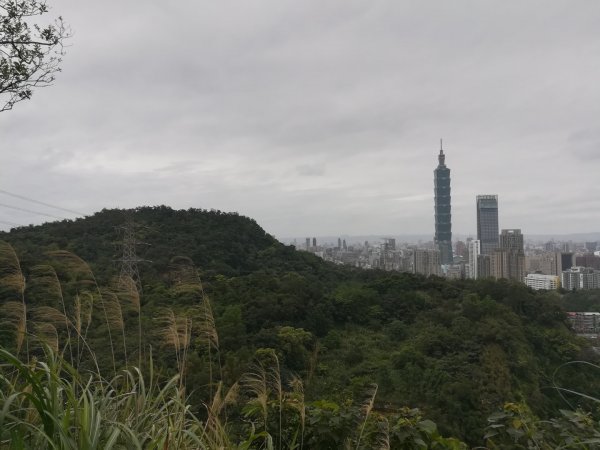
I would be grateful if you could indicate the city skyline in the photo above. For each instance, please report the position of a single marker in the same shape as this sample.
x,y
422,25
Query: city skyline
x,y
317,118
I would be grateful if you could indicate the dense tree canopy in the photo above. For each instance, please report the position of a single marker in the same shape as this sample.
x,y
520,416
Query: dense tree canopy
x,y
459,351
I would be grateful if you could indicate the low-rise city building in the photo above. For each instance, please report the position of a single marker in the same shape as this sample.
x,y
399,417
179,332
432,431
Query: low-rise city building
x,y
577,278
538,281
585,322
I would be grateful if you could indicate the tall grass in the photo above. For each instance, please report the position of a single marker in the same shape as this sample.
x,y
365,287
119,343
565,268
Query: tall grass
x,y
186,280
175,330
81,271
49,404
44,277
126,288
13,281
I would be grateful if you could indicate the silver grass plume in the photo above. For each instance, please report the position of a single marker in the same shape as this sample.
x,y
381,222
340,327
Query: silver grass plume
x,y
11,278
15,315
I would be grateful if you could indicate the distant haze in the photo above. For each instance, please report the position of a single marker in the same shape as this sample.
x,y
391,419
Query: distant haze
x,y
317,118
424,238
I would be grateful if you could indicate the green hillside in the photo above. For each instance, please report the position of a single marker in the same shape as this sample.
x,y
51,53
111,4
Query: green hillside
x,y
217,289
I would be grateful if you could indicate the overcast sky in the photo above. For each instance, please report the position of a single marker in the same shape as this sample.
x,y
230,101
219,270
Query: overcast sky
x,y
317,118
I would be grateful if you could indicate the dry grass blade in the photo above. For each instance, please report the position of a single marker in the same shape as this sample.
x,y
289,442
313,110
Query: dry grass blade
x,y
255,383
114,313
296,401
11,276
127,289
175,331
221,401
114,317
167,329
12,279
73,263
383,440
367,408
46,334
15,315
84,307
208,328
183,275
44,276
76,268
49,315
47,320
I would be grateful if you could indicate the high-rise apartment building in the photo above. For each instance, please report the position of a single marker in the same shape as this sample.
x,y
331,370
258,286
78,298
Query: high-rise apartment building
x,y
508,260
588,260
426,262
547,263
443,216
487,223
474,250
580,278
484,266
566,260
511,240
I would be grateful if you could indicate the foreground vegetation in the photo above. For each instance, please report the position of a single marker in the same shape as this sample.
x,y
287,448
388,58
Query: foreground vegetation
x,y
275,349
51,405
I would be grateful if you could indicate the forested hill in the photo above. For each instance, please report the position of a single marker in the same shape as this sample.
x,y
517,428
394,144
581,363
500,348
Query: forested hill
x,y
217,242
459,351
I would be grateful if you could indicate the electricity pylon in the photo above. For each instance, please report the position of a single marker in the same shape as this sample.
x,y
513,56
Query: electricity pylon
x,y
129,260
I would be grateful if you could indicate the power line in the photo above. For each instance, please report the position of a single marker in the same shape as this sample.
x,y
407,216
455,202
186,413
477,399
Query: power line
x,y
12,224
31,211
22,197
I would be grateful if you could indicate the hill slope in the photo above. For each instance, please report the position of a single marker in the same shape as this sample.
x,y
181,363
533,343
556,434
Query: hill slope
x,y
457,350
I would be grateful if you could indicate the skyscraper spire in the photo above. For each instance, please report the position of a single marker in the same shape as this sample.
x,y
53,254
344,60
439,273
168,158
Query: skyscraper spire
x,y
441,156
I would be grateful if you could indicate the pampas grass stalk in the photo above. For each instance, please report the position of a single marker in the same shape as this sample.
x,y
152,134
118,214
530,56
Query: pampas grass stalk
x,y
367,408
78,266
45,276
11,277
297,387
47,335
176,331
127,288
16,316
255,382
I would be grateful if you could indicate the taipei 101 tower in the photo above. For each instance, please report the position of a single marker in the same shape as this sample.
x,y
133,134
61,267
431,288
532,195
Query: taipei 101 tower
x,y
443,217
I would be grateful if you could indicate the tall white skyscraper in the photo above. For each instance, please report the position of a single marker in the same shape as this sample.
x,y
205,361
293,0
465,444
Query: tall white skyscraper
x,y
474,250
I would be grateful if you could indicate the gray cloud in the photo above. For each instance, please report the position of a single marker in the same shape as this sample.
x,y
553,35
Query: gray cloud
x,y
318,118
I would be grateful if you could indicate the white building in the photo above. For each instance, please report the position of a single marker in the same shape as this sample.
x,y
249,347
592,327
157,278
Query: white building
x,y
580,278
537,281
473,249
